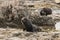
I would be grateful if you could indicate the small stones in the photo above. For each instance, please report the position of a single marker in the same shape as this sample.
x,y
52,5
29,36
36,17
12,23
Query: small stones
x,y
15,34
55,36
14,38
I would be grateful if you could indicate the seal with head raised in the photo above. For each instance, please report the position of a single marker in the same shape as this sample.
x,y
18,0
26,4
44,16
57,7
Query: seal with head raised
x,y
27,24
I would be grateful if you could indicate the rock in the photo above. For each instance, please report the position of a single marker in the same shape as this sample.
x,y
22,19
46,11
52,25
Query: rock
x,y
57,26
32,39
45,22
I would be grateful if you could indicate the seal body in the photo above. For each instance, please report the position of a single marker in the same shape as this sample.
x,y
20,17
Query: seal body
x,y
45,11
27,24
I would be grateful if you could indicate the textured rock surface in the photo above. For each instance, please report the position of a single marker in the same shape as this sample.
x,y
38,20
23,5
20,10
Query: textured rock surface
x,y
19,11
12,14
18,34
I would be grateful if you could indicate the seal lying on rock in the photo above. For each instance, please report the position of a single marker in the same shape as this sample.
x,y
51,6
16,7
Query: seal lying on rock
x,y
29,26
45,11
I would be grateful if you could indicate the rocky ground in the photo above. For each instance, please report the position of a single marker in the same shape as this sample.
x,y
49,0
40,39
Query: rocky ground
x,y
18,34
